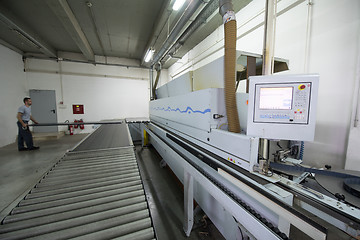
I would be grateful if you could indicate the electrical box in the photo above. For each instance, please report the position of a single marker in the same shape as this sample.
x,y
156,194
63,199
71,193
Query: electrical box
x,y
283,107
78,109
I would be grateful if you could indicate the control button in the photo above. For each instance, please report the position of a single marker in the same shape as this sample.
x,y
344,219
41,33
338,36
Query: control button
x,y
302,87
300,112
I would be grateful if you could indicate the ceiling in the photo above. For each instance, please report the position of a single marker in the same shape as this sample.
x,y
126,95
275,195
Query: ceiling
x,y
111,28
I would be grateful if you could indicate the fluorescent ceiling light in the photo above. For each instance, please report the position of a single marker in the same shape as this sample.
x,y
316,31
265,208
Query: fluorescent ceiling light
x,y
149,54
178,4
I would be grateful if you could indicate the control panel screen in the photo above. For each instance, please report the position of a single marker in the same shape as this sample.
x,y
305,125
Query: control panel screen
x,y
282,102
276,98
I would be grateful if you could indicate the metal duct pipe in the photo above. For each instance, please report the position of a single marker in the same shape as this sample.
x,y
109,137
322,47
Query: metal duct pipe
x,y
228,15
164,13
189,11
158,72
201,19
151,82
225,6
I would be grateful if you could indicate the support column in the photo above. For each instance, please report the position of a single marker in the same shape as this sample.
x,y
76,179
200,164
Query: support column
x,y
188,202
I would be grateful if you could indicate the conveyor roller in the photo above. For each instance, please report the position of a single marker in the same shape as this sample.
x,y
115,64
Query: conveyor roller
x,y
90,193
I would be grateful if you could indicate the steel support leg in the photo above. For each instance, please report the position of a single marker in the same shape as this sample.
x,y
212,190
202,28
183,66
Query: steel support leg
x,y
188,202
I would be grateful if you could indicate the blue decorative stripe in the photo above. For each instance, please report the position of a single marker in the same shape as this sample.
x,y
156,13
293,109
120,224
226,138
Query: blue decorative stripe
x,y
187,110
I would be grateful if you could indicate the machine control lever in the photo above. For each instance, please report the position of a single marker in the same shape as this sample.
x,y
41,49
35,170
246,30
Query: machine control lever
x,y
217,116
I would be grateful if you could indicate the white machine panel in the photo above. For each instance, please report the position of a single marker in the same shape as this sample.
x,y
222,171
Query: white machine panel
x,y
283,107
178,86
195,110
242,101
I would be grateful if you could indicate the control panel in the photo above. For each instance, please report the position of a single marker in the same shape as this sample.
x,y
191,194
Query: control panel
x,y
282,103
283,107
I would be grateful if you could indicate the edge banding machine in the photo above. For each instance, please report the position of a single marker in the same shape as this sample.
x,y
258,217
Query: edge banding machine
x,y
226,174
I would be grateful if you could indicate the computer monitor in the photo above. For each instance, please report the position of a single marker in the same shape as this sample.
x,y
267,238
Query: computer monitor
x,y
283,107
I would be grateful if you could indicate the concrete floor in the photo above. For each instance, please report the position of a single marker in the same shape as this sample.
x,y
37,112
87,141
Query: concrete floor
x,y
20,171
165,198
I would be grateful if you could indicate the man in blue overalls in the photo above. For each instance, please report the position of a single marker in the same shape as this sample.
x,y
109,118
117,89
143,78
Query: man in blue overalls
x,y
24,116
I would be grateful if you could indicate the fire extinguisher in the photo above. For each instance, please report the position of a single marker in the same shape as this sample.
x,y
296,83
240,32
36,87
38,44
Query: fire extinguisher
x,y
75,121
71,129
82,125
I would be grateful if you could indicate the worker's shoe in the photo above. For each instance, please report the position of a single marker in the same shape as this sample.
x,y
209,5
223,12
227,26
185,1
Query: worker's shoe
x,y
23,149
34,148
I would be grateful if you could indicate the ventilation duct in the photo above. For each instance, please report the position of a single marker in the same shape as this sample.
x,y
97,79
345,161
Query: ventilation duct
x,y
200,20
177,30
228,15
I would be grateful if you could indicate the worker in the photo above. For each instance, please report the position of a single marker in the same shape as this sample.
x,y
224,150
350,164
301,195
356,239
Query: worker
x,y
24,116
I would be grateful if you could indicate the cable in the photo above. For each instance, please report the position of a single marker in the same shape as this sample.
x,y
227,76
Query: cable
x,y
222,125
338,196
242,236
313,177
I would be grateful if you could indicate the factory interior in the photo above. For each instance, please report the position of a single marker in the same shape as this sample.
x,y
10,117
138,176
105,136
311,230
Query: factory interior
x,y
180,119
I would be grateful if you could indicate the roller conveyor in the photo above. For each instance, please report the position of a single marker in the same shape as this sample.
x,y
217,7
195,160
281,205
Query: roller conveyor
x,y
91,193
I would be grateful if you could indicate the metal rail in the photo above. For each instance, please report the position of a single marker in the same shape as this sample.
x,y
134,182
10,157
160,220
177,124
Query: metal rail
x,y
130,120
75,123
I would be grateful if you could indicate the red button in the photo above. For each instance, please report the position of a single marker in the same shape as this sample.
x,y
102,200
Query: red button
x,y
300,112
302,86
295,112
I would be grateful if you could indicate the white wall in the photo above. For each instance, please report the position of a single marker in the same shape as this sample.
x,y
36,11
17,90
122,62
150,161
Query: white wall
x,y
107,92
352,156
12,92
333,53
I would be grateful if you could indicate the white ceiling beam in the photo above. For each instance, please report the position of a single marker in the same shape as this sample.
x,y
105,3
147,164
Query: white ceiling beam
x,y
63,11
20,28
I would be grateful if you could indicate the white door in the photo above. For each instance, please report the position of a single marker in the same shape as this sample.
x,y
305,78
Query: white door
x,y
43,109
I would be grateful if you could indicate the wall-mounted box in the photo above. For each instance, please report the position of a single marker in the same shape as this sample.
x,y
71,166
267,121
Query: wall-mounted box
x,y
78,109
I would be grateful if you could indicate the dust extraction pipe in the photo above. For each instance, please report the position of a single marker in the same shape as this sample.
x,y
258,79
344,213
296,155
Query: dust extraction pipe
x,y
186,16
228,15
158,72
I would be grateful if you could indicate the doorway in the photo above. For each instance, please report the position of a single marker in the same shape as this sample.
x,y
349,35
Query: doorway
x,y
43,109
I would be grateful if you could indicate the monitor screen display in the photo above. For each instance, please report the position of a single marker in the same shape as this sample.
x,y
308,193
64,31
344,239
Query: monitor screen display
x,y
276,98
